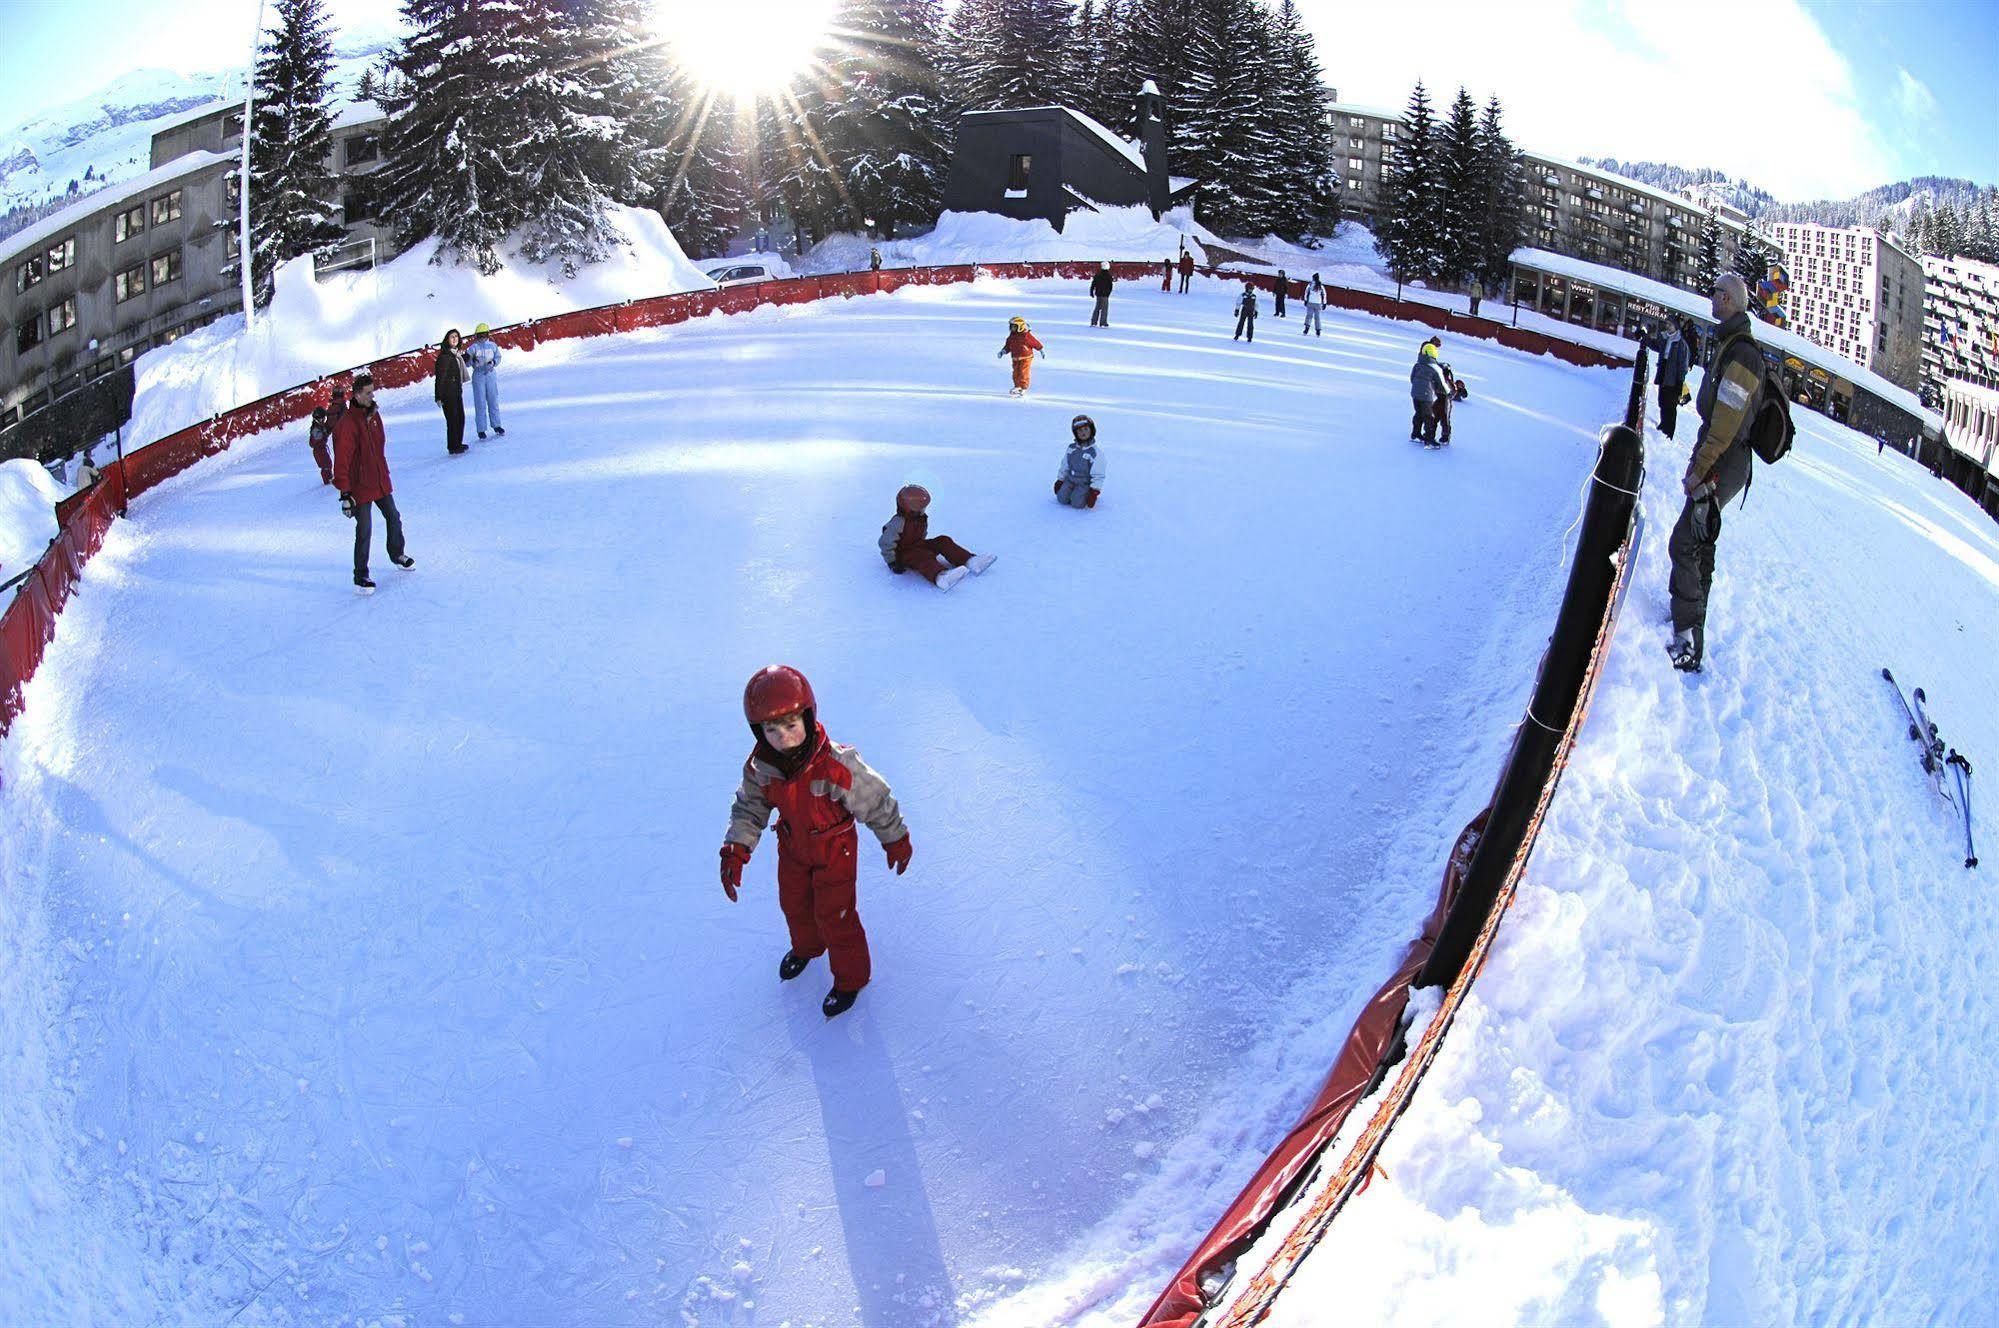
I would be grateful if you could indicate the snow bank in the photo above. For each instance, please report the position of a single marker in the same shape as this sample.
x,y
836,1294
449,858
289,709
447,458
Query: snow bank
x,y
1730,1061
1124,233
313,327
28,497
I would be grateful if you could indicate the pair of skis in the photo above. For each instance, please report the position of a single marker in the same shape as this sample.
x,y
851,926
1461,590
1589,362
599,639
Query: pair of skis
x,y
1947,768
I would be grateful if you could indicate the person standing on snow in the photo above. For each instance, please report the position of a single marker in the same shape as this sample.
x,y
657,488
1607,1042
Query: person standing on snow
x,y
1079,481
1283,290
448,387
361,470
1427,389
1021,347
1101,286
1186,267
1245,313
1477,294
907,545
1166,275
484,357
818,788
874,259
1675,358
320,438
1730,395
1315,304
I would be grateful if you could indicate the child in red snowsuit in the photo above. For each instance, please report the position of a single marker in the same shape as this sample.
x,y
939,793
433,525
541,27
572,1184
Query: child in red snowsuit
x,y
317,438
907,545
1021,345
819,788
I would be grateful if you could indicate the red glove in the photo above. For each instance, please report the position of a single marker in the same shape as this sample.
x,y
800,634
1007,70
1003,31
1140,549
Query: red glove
x,y
898,854
734,856
1056,489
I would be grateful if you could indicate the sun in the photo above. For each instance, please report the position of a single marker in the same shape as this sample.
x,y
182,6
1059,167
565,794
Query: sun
x,y
745,49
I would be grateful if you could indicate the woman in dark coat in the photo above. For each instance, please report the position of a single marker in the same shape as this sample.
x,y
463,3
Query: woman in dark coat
x,y
449,371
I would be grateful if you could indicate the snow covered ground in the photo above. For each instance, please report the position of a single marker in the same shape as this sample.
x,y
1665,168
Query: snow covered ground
x,y
362,960
1731,1060
28,495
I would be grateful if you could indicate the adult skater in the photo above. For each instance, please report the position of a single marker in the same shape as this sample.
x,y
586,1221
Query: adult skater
x,y
1675,358
1021,346
484,356
320,439
1080,480
1245,313
448,386
907,545
361,470
1101,286
818,788
1315,304
1283,291
1427,389
1730,394
1186,268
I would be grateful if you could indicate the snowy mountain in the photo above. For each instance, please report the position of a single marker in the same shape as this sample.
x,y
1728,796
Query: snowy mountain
x,y
72,150
1663,175
1887,206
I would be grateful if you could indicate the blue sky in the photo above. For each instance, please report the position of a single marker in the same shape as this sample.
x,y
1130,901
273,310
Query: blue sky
x,y
1841,94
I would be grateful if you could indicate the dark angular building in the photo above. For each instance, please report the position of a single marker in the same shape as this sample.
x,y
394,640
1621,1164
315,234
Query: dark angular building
x,y
1045,161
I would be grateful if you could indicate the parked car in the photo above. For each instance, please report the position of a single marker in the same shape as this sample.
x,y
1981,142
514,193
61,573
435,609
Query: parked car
x,y
734,272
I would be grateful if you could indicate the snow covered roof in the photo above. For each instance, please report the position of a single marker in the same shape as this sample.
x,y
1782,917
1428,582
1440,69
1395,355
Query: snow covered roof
x,y
1121,146
1696,306
56,223
355,113
168,123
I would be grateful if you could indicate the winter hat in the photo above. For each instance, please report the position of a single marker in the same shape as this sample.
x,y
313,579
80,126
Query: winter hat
x,y
362,380
1104,266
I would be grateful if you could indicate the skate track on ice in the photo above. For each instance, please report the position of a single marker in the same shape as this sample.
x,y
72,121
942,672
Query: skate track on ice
x,y
367,958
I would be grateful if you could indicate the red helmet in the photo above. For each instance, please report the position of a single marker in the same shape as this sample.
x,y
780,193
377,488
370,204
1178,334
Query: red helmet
x,y
774,692
912,497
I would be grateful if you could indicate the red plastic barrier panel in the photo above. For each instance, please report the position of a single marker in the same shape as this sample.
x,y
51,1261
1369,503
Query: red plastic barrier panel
x,y
657,311
598,322
24,628
794,290
518,336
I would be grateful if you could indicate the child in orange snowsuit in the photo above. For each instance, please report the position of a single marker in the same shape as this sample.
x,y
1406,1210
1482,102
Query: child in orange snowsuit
x,y
1021,345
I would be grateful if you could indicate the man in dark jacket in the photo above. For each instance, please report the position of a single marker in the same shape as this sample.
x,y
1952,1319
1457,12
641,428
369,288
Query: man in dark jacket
x,y
1675,357
1283,289
1101,286
1186,269
1730,393
1245,312
361,469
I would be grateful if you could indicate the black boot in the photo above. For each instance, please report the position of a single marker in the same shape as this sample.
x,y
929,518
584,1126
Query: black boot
x,y
363,584
838,1002
1686,650
790,966
405,562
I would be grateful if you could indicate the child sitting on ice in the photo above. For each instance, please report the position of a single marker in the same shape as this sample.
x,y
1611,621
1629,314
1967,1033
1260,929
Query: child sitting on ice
x,y
819,788
1076,484
1021,345
907,546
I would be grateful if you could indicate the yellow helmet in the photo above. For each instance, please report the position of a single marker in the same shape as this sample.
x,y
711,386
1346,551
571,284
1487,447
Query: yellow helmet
x,y
482,329
1430,349
1017,323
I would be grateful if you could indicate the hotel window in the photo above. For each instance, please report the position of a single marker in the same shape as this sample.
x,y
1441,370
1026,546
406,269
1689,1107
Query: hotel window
x,y
1357,142
29,274
166,268
1353,185
1355,163
62,254
232,125
1016,175
28,335
233,188
130,222
130,282
232,246
166,208
63,316
1355,122
362,149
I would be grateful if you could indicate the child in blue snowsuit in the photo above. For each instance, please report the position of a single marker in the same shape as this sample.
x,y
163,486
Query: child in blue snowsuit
x,y
1077,483
485,358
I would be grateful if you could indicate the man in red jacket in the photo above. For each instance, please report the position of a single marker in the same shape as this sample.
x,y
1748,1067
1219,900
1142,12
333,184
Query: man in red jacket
x,y
361,470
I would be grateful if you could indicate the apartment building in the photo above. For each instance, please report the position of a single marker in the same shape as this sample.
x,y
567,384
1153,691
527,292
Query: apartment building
x,y
1858,293
1960,323
1570,209
144,262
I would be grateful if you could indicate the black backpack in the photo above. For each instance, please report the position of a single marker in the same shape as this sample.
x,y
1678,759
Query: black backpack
x,y
1770,430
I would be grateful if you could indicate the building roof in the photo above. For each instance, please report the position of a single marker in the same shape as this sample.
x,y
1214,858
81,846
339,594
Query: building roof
x,y
353,113
1695,306
192,163
1128,150
169,123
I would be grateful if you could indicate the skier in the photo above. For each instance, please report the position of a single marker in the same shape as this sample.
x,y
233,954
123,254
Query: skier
x,y
818,788
1166,275
318,438
1186,267
1245,313
1283,289
1021,346
1078,483
484,357
1427,386
361,470
907,545
1101,286
1730,395
448,371
1315,303
1674,361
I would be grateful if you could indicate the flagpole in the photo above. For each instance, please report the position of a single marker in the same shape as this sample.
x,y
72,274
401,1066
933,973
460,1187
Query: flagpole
x,y
243,173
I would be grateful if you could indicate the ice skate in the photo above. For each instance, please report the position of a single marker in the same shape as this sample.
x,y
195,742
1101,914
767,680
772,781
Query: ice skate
x,y
980,562
950,577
